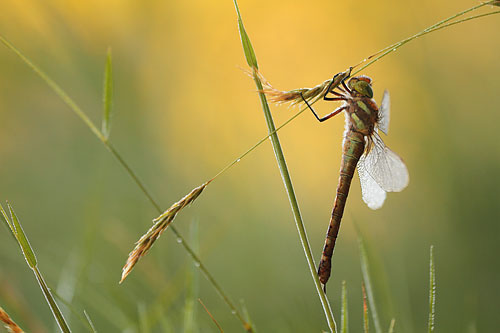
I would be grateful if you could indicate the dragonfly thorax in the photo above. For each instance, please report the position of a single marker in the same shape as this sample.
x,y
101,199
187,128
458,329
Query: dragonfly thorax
x,y
362,115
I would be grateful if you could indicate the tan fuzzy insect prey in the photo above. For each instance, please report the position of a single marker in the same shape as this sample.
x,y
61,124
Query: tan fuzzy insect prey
x,y
160,224
9,324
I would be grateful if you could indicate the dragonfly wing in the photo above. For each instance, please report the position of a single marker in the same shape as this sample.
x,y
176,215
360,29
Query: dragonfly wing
x,y
384,113
373,195
385,166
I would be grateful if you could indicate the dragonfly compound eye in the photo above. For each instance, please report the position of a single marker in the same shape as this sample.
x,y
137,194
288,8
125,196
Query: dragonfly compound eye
x,y
361,86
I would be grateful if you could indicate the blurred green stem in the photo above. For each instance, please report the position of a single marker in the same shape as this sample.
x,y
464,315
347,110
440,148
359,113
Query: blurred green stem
x,y
83,116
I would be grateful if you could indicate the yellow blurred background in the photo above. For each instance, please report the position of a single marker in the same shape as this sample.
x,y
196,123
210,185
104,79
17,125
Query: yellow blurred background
x,y
183,109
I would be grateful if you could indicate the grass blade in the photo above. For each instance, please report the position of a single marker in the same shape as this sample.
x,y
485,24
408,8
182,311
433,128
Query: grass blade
x,y
246,314
107,96
192,285
30,257
392,325
280,158
22,240
213,319
365,309
9,324
344,321
89,322
432,292
245,41
368,283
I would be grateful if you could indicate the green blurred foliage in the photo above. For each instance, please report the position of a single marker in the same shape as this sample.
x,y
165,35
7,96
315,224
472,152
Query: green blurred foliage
x,y
183,109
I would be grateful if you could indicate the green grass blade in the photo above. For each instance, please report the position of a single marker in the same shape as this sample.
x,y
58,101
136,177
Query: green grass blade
x,y
344,327
56,312
245,41
30,257
392,325
280,158
366,323
247,314
22,240
84,320
6,220
368,283
432,292
107,96
89,322
144,326
192,285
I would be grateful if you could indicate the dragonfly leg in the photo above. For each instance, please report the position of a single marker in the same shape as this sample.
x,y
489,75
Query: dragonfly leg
x,y
328,116
341,97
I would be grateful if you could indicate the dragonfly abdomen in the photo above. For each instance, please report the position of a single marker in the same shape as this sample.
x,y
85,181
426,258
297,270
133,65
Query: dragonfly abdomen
x,y
353,147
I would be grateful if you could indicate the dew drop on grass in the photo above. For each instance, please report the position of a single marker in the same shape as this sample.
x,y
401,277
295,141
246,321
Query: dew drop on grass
x,y
179,240
233,312
239,159
197,264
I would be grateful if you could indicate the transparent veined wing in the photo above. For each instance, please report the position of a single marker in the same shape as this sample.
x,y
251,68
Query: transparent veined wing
x,y
384,113
373,195
385,167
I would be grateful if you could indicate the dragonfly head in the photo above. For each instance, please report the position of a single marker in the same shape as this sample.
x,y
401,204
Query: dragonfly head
x,y
362,85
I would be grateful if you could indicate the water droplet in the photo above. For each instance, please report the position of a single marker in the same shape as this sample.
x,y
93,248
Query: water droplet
x,y
179,240
239,159
394,49
197,264
233,312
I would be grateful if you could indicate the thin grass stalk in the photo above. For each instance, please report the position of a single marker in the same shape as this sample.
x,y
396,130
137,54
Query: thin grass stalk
x,y
280,158
366,323
89,322
432,292
83,116
365,269
392,325
85,320
437,26
344,324
29,255
211,316
56,312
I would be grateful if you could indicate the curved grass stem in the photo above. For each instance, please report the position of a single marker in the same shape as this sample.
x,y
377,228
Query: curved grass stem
x,y
83,116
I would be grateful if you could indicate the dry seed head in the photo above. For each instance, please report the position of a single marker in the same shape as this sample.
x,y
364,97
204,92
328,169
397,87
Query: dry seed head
x,y
160,224
10,325
292,96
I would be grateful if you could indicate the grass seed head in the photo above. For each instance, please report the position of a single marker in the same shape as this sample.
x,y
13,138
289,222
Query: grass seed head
x,y
160,224
9,324
292,96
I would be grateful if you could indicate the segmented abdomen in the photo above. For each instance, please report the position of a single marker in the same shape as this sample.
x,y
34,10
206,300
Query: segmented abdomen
x,y
352,147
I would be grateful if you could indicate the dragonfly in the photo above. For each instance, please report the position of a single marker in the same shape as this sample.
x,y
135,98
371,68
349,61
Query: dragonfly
x,y
380,170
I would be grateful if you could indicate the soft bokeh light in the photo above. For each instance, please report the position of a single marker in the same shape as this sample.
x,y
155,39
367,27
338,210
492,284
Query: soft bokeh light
x,y
184,109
